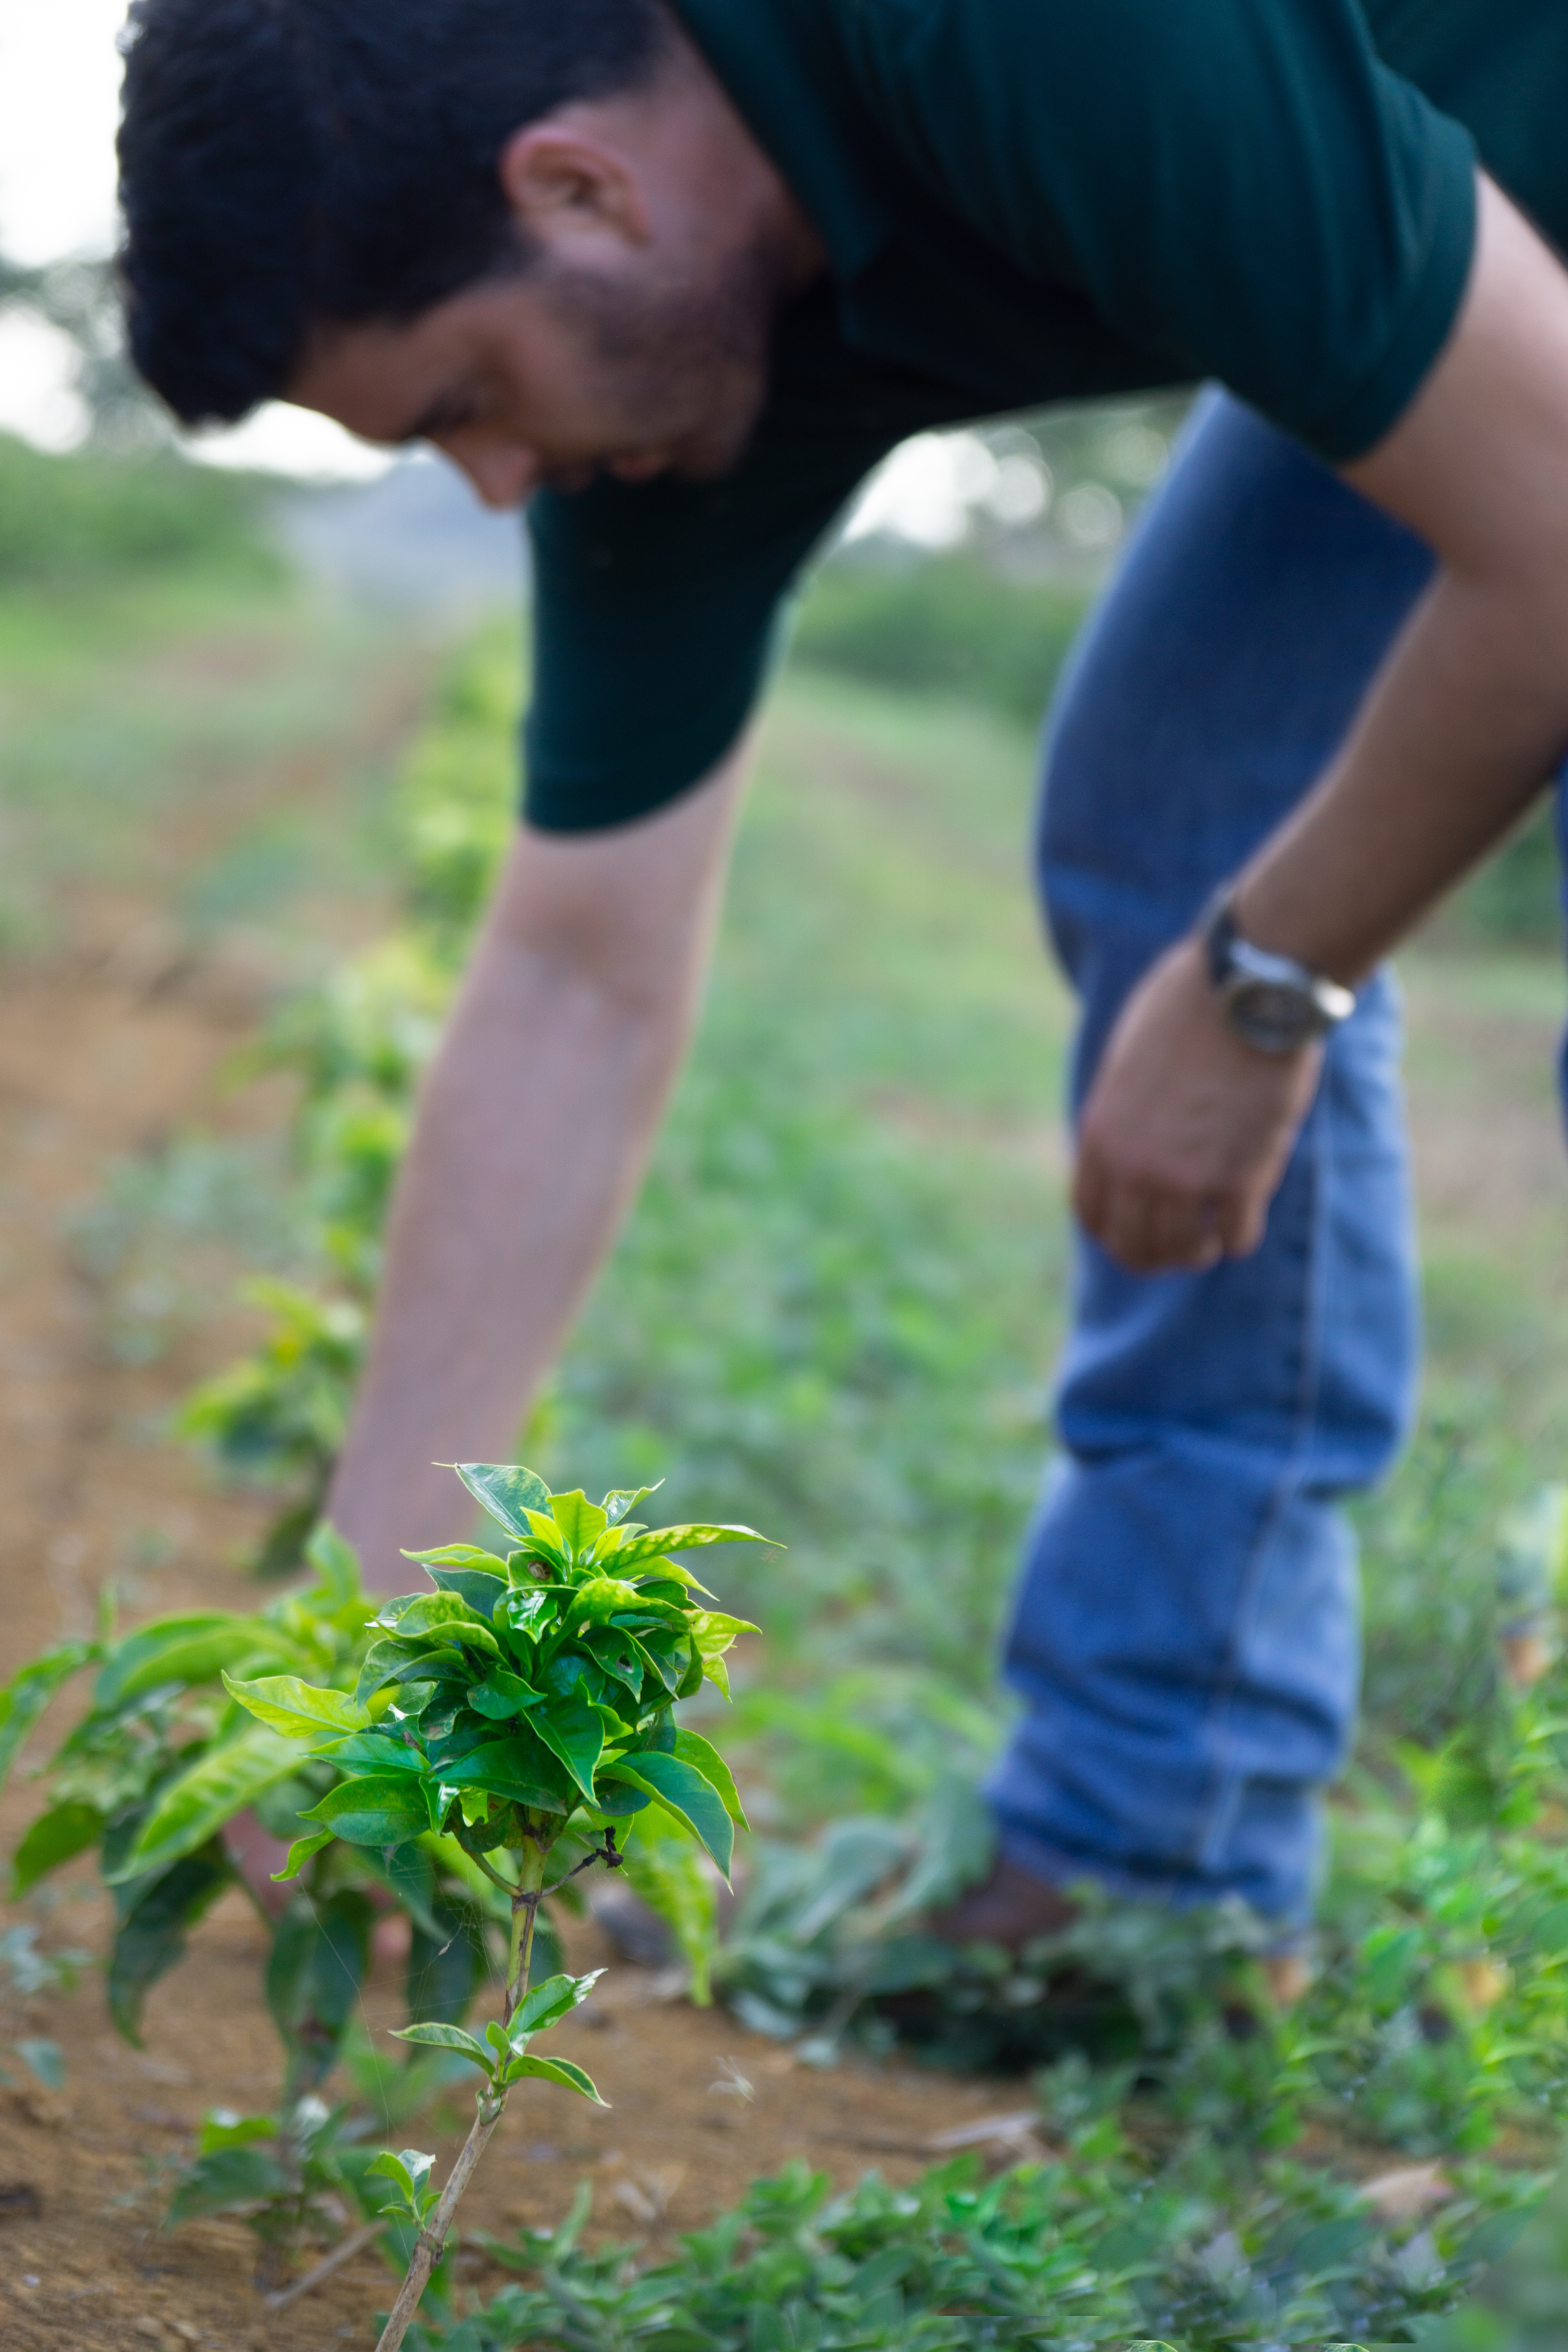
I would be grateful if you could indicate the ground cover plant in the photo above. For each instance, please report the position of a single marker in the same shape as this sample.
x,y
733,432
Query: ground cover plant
x,y
1076,2251
841,1208
523,1709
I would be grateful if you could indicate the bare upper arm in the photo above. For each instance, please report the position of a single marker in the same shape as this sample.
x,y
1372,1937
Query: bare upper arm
x,y
1478,465
629,907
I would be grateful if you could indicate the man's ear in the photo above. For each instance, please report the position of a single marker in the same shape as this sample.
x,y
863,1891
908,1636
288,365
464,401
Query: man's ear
x,y
567,189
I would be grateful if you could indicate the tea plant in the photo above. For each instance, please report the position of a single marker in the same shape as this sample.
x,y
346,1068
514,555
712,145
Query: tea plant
x,y
523,1708
148,1779
279,1416
30,1972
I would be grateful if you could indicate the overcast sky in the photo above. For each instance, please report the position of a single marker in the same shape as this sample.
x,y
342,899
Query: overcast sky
x,y
59,80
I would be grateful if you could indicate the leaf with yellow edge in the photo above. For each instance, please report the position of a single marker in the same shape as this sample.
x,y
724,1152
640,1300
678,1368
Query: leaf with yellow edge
x,y
300,1710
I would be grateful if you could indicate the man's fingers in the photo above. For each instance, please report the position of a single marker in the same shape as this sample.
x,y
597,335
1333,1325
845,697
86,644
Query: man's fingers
x,y
1089,1190
1240,1219
1147,1228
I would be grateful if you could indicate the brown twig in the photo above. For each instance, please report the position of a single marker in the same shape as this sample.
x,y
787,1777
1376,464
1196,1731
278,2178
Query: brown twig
x,y
432,2239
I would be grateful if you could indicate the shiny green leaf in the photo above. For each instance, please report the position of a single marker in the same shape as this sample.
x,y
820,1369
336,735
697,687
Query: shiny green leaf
x,y
298,1710
670,1571
545,2004
447,1617
713,1632
382,1808
618,1802
372,1751
603,1597
409,2168
665,1659
501,1694
518,1768
544,1542
621,1501
394,1660
507,1491
299,1854
480,1589
685,1794
462,1555
617,1655
704,1758
685,1539
581,1522
554,2070
528,1609
436,2036
198,1802
574,1732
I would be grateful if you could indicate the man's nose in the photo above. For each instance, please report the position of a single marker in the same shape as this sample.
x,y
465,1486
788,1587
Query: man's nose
x,y
504,473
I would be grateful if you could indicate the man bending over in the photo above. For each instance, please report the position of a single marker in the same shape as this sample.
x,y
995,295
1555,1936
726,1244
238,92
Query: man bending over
x,y
674,278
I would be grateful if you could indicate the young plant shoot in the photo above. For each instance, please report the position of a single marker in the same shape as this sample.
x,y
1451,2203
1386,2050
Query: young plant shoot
x,y
524,1707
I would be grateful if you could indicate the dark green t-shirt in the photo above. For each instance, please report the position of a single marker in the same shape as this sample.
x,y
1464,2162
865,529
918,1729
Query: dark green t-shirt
x,y
1026,201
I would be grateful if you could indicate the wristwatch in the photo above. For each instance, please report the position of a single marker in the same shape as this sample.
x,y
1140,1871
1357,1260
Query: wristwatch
x,y
1274,1003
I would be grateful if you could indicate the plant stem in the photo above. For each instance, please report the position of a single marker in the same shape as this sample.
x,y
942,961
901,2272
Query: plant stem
x,y
432,2238
327,2267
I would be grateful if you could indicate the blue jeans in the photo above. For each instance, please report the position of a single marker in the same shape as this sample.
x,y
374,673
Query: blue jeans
x,y
1186,1636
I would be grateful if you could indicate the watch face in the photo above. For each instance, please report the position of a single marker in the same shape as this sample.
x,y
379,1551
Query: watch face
x,y
1272,1014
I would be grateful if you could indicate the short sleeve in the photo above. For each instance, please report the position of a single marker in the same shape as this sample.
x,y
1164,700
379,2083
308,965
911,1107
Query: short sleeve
x,y
1239,186
655,608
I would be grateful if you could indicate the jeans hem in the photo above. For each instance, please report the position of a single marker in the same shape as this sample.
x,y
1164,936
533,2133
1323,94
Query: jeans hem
x,y
1290,1928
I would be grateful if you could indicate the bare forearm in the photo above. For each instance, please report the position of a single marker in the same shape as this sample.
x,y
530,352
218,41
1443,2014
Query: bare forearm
x,y
1187,1128
1469,715
1461,734
534,1130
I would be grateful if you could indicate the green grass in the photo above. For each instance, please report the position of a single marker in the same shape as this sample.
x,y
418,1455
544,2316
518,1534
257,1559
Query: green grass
x,y
204,739
76,520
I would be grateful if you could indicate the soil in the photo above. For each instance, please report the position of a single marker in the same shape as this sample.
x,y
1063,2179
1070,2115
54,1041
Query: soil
x,y
105,1049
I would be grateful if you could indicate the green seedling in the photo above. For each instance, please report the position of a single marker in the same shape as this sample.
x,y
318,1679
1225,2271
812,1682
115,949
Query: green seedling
x,y
149,1778
289,2178
277,1418
523,1709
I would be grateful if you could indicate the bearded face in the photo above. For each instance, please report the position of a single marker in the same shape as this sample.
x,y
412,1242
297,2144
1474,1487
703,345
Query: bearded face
x,y
556,372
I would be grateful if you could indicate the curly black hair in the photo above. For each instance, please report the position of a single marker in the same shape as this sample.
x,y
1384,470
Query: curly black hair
x,y
284,163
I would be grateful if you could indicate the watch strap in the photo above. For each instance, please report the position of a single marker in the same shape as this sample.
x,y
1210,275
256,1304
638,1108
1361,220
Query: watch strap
x,y
1239,971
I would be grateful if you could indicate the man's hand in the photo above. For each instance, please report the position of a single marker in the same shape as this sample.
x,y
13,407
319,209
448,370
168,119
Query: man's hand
x,y
1186,1130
